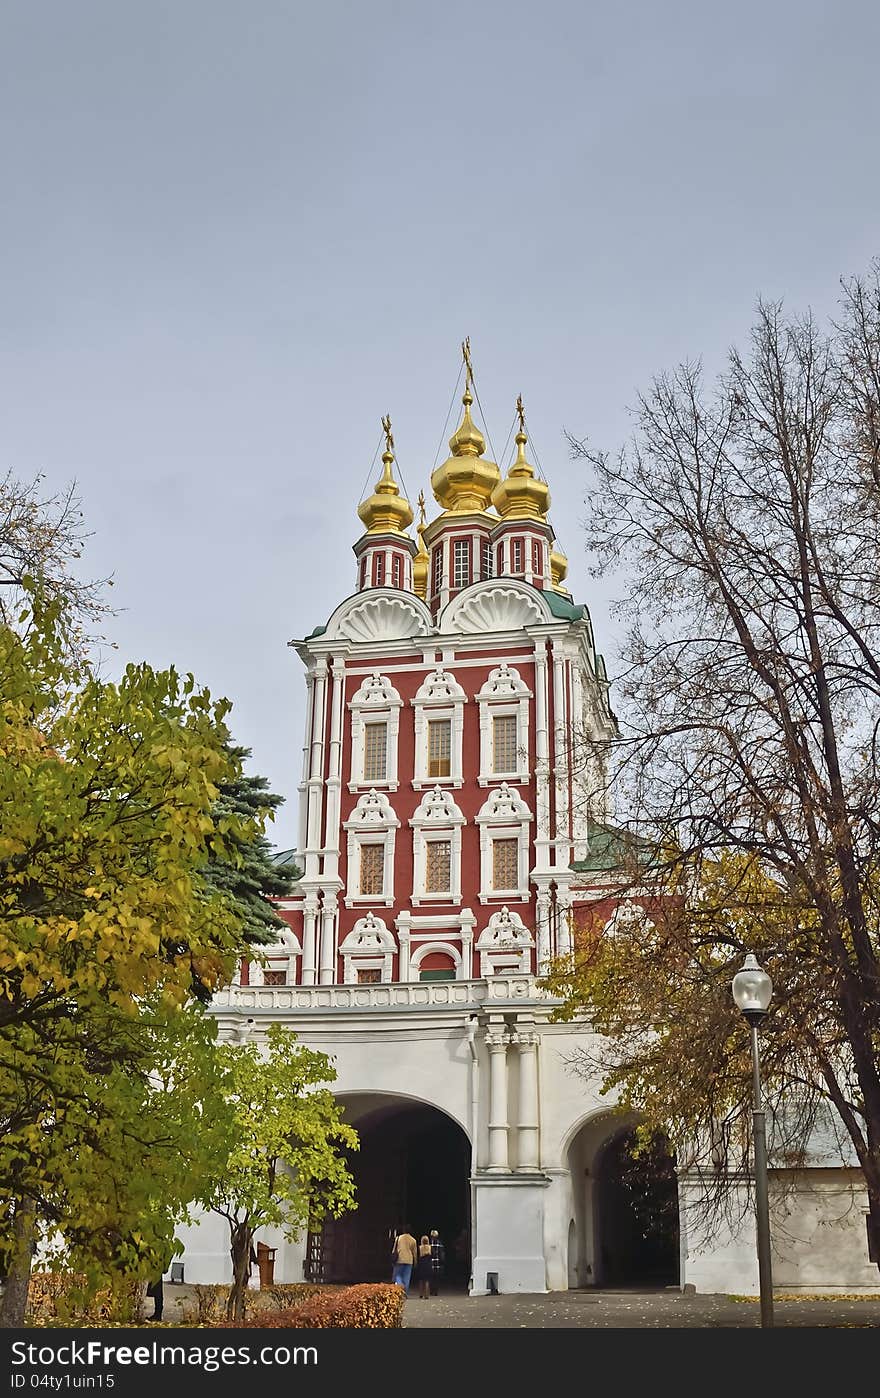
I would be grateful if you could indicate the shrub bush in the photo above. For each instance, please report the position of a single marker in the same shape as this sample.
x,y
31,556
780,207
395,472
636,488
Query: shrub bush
x,y
208,1303
370,1306
65,1296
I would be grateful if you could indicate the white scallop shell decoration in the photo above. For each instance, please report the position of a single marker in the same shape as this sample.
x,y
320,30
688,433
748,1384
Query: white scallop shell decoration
x,y
381,619
499,608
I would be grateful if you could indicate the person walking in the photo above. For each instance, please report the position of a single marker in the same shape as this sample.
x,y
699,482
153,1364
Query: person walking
x,y
423,1267
403,1256
438,1262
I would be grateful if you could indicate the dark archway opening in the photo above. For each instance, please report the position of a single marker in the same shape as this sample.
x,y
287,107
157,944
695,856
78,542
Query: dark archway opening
x,y
637,1233
413,1171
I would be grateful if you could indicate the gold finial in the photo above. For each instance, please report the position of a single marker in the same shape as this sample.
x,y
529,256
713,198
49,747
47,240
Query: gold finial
x,y
386,428
468,366
421,503
521,413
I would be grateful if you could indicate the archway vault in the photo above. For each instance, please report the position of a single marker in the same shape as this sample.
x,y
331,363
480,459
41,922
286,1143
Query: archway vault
x,y
412,1171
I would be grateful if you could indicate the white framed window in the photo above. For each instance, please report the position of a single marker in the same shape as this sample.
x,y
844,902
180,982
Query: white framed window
x,y
375,751
380,570
505,709
363,573
372,831
516,556
439,725
375,724
436,825
537,550
505,944
437,570
395,570
421,934
461,562
367,952
486,561
504,821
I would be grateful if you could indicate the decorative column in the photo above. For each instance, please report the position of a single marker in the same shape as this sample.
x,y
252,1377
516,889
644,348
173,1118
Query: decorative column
x,y
467,922
542,918
404,928
310,921
528,1159
563,923
316,768
560,761
497,1039
327,974
334,775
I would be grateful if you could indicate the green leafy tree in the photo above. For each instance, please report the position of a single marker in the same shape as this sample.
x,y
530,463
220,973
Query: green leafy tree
x,y
108,794
285,1167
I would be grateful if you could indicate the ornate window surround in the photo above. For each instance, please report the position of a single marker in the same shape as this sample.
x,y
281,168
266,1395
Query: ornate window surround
x,y
505,944
437,817
372,822
504,815
504,693
283,953
453,935
439,696
377,701
369,946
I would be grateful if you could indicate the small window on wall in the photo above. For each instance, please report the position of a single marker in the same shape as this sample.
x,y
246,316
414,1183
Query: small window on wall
x,y
375,751
504,743
461,562
516,556
439,747
438,866
500,560
274,975
536,558
372,869
369,975
486,561
437,570
395,570
380,570
363,573
505,864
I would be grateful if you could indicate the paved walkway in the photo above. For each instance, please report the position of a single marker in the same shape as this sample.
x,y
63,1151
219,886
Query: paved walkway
x,y
653,1310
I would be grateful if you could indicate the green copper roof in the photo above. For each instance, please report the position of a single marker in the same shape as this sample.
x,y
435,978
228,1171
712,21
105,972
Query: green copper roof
x,y
561,607
318,631
611,848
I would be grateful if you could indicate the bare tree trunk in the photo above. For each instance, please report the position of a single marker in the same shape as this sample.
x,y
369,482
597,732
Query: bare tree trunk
x,y
15,1287
242,1242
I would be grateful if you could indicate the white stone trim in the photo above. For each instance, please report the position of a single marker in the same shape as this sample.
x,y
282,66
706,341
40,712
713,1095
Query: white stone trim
x,y
444,949
376,701
436,818
425,927
504,693
504,815
505,944
376,615
373,822
369,946
440,696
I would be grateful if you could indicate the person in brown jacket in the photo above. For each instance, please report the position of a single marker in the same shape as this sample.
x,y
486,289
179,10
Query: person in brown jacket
x,y
403,1257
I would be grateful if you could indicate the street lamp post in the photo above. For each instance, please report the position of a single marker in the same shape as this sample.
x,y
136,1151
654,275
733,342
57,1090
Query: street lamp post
x,y
752,990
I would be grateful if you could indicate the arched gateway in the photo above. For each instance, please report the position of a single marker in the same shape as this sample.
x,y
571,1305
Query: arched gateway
x,y
412,1171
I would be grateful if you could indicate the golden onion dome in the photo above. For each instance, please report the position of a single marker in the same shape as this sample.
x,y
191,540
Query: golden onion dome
x,y
521,495
464,483
558,569
421,561
386,511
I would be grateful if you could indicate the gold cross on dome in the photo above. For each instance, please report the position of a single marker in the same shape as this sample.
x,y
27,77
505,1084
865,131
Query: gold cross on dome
x,y
520,412
466,356
386,428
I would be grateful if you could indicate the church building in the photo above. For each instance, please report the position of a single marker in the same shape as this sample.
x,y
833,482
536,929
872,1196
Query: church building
x,y
452,830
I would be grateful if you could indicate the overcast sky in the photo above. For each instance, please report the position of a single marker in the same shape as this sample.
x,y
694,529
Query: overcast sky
x,y
236,234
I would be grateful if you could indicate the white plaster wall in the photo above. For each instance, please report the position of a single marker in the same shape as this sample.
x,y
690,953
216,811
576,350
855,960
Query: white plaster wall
x,y
817,1225
510,1237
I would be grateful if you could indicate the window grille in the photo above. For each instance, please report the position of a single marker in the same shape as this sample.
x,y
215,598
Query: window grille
x,y
517,556
437,570
486,571
461,562
505,864
438,869
372,869
504,743
369,975
375,751
395,570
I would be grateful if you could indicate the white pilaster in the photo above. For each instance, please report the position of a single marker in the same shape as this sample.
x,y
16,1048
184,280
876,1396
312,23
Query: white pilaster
x,y
528,1125
327,973
496,1041
310,922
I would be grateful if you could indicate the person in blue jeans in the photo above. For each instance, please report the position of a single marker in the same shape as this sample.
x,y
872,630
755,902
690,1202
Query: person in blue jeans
x,y
403,1256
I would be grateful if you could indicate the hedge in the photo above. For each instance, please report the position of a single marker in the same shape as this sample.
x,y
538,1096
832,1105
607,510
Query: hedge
x,y
65,1296
208,1303
369,1306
